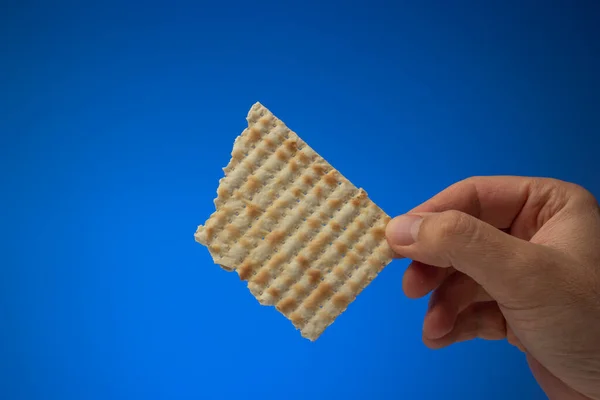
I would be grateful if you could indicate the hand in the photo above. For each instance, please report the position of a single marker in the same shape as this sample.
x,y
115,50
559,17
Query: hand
x,y
515,258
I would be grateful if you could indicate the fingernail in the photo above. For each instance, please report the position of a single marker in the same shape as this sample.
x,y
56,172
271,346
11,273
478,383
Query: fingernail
x,y
403,230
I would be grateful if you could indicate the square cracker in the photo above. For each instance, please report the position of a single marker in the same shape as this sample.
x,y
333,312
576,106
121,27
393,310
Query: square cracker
x,y
302,235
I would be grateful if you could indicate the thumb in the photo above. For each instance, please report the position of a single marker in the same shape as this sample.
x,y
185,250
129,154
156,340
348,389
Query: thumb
x,y
504,265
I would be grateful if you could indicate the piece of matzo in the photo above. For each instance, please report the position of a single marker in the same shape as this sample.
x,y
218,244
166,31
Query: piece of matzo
x,y
305,238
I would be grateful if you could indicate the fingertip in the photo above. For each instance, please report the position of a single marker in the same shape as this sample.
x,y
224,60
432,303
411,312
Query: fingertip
x,y
433,344
439,343
413,282
420,279
437,323
402,230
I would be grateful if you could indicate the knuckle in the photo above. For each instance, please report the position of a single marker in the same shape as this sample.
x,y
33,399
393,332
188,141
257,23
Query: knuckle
x,y
549,186
473,179
558,193
470,183
567,189
453,223
584,195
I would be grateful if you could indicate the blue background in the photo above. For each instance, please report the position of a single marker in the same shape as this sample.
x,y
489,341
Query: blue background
x,y
115,122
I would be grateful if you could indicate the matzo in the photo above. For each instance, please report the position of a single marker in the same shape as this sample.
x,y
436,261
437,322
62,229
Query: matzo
x,y
304,238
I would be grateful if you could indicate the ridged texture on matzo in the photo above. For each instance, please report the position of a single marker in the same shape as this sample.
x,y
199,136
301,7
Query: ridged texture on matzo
x,y
304,238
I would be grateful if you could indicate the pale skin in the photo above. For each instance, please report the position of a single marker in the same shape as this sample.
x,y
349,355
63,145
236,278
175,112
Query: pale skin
x,y
512,258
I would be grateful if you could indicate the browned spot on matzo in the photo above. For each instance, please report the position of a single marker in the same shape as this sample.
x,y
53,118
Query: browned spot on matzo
x,y
378,233
252,210
318,169
275,237
341,247
299,289
303,261
269,143
273,291
318,191
330,179
261,277
313,223
307,180
281,155
291,145
340,300
245,270
335,226
318,295
253,183
296,319
222,192
253,134
286,305
314,276
303,158
339,272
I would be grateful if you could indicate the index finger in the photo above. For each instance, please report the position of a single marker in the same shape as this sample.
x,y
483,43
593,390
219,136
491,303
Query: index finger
x,y
497,200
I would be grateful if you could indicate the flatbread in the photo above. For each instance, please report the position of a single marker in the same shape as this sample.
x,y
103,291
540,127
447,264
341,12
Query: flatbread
x,y
302,235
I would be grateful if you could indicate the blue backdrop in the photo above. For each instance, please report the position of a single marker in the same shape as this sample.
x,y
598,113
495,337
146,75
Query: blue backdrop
x,y
115,122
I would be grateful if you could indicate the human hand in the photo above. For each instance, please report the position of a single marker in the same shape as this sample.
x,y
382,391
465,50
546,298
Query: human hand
x,y
515,258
